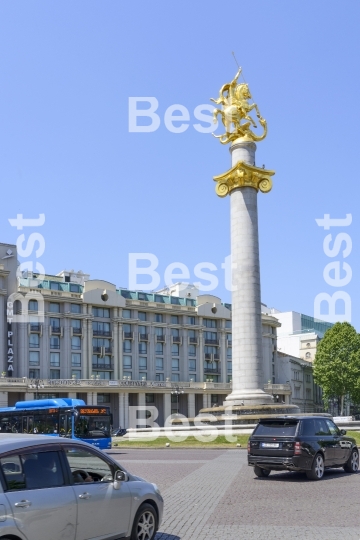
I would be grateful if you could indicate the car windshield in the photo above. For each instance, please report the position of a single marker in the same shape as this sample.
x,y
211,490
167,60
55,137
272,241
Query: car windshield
x,y
276,428
92,427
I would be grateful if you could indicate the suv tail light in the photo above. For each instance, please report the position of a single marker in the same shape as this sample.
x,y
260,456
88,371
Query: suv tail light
x,y
297,448
248,447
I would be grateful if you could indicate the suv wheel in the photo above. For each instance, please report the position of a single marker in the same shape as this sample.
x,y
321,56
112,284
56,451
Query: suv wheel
x,y
145,523
317,468
261,473
352,464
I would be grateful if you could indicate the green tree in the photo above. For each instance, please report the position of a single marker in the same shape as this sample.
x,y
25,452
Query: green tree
x,y
337,363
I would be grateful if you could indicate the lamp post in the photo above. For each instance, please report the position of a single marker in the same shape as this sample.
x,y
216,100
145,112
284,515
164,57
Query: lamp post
x,y
177,390
36,385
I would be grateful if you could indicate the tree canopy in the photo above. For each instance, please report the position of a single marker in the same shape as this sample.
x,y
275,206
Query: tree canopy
x,y
337,363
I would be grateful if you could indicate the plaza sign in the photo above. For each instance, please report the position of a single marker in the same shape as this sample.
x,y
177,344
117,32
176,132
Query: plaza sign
x,y
9,338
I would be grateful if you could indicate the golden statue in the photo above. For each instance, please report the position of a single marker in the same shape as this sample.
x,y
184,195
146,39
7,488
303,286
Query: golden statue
x,y
235,109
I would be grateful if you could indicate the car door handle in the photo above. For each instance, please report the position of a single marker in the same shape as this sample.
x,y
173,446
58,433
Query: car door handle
x,y
84,496
22,504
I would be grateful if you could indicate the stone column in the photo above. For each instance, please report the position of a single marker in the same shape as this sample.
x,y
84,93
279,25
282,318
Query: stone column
x,y
200,351
126,410
247,373
167,406
191,405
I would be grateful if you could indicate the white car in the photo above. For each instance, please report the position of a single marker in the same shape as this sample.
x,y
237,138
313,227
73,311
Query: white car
x,y
60,489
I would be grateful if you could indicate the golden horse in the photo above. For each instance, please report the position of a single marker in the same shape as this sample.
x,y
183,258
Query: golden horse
x,y
234,99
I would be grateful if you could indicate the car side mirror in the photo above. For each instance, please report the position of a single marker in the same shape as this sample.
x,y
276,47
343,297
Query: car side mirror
x,y
342,432
120,476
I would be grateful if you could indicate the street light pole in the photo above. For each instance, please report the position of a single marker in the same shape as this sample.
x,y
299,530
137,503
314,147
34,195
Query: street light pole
x,y
177,390
36,384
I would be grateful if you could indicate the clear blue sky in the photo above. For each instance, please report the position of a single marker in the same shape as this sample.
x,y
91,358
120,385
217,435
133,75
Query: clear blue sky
x,y
67,71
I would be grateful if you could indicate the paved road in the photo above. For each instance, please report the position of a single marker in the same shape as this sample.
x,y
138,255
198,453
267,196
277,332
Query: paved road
x,y
214,495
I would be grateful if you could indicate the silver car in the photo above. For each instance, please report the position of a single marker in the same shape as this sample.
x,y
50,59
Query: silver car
x,y
61,489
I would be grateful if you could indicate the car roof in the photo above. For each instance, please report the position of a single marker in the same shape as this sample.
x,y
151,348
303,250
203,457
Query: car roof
x,y
17,441
293,417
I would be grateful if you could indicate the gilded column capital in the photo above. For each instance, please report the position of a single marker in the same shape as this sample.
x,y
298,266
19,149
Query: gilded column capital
x,y
243,175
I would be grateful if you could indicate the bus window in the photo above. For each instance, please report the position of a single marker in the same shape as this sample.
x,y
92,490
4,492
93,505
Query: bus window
x,y
62,425
5,425
15,424
24,424
52,423
40,423
30,426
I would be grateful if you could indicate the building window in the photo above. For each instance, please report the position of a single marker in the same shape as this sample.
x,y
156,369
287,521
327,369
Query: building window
x,y
33,305
229,338
127,374
229,367
34,373
55,324
209,323
127,362
54,342
76,374
76,323
175,364
103,398
75,359
101,328
127,328
192,350
159,331
75,308
192,365
55,359
54,286
159,348
159,377
159,364
308,377
229,352
34,358
142,375
297,392
104,375
142,362
174,319
74,287
191,320
54,373
158,317
228,324
34,341
101,312
308,393
54,308
142,316
175,349
126,313
142,347
296,375
127,345
175,377
76,343
192,334
175,332
142,330
149,398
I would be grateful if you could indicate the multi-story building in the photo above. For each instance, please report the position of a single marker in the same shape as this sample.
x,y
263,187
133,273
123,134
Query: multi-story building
x,y
299,334
71,336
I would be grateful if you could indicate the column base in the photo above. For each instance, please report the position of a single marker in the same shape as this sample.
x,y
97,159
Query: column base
x,y
248,397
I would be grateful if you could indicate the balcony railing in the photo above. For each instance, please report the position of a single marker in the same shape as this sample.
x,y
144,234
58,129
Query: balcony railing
x,y
35,327
216,356
106,333
143,337
176,339
107,350
208,356
193,340
160,338
77,331
211,342
212,370
97,349
103,365
229,342
128,335
55,330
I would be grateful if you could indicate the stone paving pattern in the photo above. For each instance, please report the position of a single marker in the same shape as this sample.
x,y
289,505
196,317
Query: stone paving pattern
x,y
214,495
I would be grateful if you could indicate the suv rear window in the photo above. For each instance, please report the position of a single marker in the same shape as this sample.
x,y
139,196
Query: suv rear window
x,y
277,428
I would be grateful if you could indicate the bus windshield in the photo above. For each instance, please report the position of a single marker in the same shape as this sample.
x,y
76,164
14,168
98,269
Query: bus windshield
x,y
92,427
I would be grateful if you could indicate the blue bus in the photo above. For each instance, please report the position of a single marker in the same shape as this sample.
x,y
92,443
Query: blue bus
x,y
63,417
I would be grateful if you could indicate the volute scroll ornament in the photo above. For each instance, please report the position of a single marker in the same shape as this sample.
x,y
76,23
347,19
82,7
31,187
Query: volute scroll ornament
x,y
243,175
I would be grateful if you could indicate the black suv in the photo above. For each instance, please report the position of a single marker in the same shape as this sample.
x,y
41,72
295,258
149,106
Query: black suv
x,y
301,443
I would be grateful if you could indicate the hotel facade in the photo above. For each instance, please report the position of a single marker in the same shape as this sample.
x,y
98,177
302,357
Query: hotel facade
x,y
67,335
